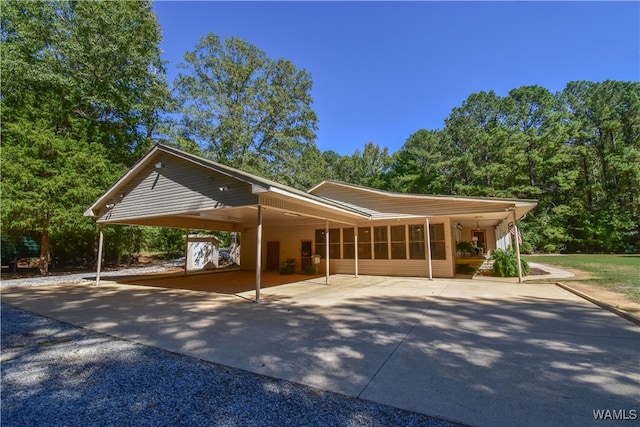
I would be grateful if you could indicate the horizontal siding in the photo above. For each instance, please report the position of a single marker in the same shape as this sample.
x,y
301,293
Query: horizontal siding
x,y
390,267
179,187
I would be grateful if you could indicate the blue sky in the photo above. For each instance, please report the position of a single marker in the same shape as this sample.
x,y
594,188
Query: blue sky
x,y
383,70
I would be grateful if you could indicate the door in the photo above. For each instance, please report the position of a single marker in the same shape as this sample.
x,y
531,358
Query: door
x,y
273,255
305,254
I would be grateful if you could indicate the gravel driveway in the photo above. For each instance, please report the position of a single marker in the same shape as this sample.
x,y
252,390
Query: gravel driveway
x,y
57,374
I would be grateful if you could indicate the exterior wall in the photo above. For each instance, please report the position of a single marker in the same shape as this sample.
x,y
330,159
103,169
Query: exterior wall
x,y
290,239
178,187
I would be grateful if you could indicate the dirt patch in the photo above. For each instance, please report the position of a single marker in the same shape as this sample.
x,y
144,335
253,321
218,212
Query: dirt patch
x,y
615,299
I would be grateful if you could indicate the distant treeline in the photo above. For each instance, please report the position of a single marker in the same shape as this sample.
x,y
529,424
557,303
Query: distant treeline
x,y
576,151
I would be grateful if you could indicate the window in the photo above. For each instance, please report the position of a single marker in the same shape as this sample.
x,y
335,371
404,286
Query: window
x,y
417,248
380,243
437,238
364,243
398,242
348,243
320,243
334,243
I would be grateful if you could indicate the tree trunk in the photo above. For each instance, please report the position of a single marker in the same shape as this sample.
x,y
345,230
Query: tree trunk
x,y
43,264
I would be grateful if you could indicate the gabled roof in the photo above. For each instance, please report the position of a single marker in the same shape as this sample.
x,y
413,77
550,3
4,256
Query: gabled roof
x,y
380,204
264,190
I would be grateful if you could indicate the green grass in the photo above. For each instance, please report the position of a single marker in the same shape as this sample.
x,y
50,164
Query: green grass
x,y
618,273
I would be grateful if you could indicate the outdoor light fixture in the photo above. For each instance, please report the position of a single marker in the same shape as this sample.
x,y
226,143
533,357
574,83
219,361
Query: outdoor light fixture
x,y
110,205
477,225
122,195
159,165
225,188
459,226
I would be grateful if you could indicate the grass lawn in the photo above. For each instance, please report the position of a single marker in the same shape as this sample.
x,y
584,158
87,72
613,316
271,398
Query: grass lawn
x,y
617,273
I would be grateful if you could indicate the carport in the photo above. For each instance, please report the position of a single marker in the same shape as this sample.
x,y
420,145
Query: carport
x,y
171,188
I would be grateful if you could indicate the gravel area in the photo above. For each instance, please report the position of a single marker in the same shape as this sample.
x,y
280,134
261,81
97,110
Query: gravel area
x,y
88,276
57,374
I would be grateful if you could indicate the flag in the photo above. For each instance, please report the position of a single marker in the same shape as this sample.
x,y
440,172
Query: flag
x,y
514,231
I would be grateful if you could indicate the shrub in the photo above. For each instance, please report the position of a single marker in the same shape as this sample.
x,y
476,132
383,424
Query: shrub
x,y
505,264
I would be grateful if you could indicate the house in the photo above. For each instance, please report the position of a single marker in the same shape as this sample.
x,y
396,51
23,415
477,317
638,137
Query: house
x,y
354,229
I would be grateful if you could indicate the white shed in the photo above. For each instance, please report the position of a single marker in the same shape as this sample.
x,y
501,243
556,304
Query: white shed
x,y
202,252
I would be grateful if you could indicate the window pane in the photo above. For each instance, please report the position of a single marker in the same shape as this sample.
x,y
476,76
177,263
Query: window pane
x,y
436,232
399,251
397,233
348,235
381,246
320,246
364,242
349,251
334,251
438,250
417,250
398,245
416,233
334,235
348,243
417,247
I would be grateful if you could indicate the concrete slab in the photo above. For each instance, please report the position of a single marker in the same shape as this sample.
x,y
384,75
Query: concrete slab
x,y
477,352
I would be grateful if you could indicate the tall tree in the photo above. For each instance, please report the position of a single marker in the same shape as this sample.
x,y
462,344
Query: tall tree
x,y
245,109
82,89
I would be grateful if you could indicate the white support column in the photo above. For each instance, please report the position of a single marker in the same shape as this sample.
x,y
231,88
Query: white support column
x,y
429,250
517,244
356,250
186,251
258,253
100,249
326,245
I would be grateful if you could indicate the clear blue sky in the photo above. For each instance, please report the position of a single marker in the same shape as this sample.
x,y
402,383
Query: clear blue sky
x,y
383,70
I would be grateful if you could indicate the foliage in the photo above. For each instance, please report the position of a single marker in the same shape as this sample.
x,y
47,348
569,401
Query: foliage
x,y
577,152
81,93
464,246
505,264
246,110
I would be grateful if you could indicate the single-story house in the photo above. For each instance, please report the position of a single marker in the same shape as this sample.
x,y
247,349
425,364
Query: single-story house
x,y
354,229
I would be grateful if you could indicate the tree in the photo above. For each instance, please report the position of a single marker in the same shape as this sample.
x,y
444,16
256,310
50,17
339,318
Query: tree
x,y
245,109
82,89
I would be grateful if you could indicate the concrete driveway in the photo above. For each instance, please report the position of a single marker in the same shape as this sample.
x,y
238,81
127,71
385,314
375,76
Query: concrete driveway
x,y
478,352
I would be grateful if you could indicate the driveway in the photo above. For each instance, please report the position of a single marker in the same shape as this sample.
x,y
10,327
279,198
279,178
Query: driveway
x,y
477,352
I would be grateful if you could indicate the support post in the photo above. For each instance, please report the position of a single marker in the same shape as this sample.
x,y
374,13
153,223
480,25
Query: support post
x,y
100,249
517,244
429,250
258,252
326,239
356,250
186,251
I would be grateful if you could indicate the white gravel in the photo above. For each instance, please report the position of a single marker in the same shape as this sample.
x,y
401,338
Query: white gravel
x,y
56,374
88,276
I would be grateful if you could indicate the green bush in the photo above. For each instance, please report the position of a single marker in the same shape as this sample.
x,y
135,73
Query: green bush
x,y
505,264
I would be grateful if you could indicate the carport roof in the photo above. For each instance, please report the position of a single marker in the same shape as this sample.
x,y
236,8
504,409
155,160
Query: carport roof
x,y
266,192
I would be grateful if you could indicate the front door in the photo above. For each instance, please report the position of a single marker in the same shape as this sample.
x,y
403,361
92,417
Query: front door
x,y
273,255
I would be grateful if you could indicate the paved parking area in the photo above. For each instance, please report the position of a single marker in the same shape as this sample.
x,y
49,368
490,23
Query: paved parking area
x,y
477,352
